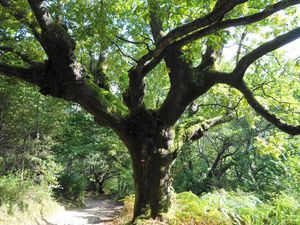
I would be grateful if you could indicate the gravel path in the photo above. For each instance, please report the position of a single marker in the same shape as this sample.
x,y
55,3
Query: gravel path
x,y
97,212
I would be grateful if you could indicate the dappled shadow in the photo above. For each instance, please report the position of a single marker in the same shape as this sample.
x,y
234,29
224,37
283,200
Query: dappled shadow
x,y
97,211
44,222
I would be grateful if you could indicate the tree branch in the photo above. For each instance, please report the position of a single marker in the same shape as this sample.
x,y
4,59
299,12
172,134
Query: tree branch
x,y
92,98
164,42
269,10
173,57
207,124
227,78
262,50
180,72
68,79
41,13
22,55
243,36
31,75
194,128
134,95
97,69
221,8
242,87
123,53
20,15
150,60
135,42
155,20
208,58
213,169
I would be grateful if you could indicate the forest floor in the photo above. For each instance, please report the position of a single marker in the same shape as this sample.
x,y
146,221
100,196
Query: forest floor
x,y
99,211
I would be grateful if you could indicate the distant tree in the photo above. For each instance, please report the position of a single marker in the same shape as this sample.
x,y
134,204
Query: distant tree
x,y
237,156
87,150
70,50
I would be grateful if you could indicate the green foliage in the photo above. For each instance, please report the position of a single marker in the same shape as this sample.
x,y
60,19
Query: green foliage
x,y
284,209
23,201
232,158
73,186
121,185
224,208
15,192
47,135
214,208
234,208
92,153
27,131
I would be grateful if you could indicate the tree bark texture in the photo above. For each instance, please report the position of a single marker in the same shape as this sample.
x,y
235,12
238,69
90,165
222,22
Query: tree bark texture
x,y
150,150
152,179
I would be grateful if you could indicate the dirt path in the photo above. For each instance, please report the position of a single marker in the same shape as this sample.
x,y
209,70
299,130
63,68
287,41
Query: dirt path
x,y
97,212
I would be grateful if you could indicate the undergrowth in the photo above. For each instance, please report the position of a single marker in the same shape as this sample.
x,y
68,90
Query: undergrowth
x,y
222,208
23,202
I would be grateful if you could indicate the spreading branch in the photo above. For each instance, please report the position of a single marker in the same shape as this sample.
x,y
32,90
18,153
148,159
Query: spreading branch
x,y
87,94
41,13
248,94
245,20
228,78
195,128
235,78
21,16
31,75
22,55
262,50
62,76
150,60
222,7
208,124
154,57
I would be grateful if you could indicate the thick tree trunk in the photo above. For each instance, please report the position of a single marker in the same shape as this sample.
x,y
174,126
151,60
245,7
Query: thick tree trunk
x,y
100,188
149,143
151,168
93,186
99,185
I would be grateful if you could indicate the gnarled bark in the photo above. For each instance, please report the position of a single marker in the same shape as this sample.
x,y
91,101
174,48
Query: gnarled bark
x,y
152,179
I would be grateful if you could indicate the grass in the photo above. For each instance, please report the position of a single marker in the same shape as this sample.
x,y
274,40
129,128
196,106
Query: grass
x,y
23,202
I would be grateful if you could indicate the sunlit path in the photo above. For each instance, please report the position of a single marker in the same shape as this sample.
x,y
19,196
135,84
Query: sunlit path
x,y
97,211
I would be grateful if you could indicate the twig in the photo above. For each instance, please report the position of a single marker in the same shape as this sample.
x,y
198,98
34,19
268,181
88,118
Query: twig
x,y
123,53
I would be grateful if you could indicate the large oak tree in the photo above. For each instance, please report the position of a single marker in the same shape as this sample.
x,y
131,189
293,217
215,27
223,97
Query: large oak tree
x,y
64,48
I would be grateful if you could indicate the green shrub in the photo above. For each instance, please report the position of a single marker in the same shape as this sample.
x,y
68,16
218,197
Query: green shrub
x,y
283,210
213,208
23,202
15,192
224,208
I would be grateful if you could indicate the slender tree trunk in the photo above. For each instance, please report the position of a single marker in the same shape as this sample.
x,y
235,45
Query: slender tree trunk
x,y
151,169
